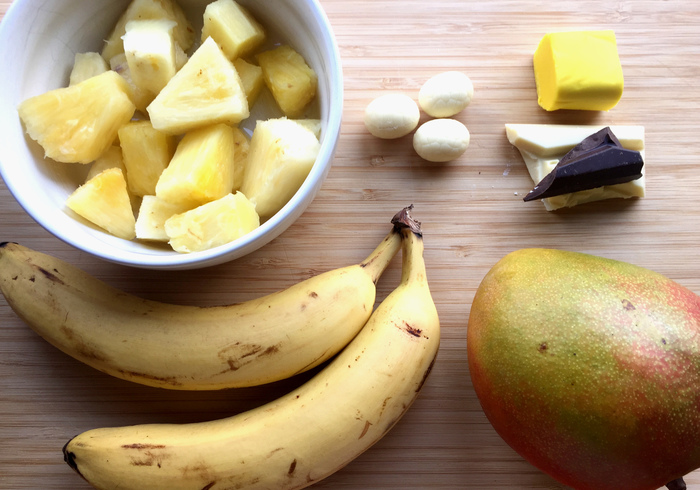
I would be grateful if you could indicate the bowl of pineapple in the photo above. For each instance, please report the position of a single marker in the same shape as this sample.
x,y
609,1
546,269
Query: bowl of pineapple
x,y
168,134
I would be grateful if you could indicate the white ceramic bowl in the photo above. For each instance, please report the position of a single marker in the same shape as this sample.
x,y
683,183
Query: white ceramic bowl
x,y
38,41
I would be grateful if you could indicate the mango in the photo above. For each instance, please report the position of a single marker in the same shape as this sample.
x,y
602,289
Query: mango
x,y
589,368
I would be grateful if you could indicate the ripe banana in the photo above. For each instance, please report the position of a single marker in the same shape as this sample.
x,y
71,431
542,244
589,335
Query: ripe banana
x,y
301,437
187,347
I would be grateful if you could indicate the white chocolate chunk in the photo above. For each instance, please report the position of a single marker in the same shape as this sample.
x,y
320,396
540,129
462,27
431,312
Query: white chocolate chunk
x,y
446,94
543,145
392,116
441,140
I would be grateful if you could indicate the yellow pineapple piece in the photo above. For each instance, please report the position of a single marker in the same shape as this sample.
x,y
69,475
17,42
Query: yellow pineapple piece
x,y
140,97
212,224
111,158
104,201
202,169
147,152
282,152
251,78
78,123
206,91
232,27
146,10
290,80
180,57
150,52
86,65
240,156
313,125
153,213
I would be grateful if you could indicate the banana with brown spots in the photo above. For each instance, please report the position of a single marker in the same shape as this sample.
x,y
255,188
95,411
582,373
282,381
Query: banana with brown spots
x,y
303,436
188,347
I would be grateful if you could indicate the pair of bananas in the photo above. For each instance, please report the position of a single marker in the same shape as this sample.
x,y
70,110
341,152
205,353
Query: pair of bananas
x,y
383,358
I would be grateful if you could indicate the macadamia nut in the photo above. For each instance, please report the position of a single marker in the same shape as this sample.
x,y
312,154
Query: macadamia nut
x,y
446,94
441,140
392,116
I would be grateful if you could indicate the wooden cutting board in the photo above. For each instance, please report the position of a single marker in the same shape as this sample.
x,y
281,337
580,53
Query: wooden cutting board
x,y
472,214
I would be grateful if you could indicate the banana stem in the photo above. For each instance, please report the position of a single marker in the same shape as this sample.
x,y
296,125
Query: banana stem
x,y
413,265
403,220
380,258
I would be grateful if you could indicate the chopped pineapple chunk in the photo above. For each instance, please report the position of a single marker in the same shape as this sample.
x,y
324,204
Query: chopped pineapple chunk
x,y
207,90
153,213
140,97
232,27
180,57
111,158
251,78
78,123
291,81
104,201
145,10
150,52
147,152
202,169
212,224
313,125
240,156
86,65
282,152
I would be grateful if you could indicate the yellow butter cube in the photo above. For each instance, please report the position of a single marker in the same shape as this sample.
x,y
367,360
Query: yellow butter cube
x,y
578,70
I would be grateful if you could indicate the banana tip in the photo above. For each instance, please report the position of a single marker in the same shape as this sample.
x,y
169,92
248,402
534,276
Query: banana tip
x,y
69,457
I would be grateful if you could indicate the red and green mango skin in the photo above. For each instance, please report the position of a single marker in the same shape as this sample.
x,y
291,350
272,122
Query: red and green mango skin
x,y
589,368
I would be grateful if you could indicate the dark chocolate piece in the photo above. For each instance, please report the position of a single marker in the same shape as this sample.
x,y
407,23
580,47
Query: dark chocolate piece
x,y
597,161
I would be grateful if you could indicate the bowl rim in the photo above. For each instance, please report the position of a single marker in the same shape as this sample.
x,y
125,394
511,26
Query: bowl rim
x,y
267,231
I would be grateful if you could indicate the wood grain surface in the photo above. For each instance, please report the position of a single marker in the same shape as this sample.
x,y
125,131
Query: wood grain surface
x,y
472,214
